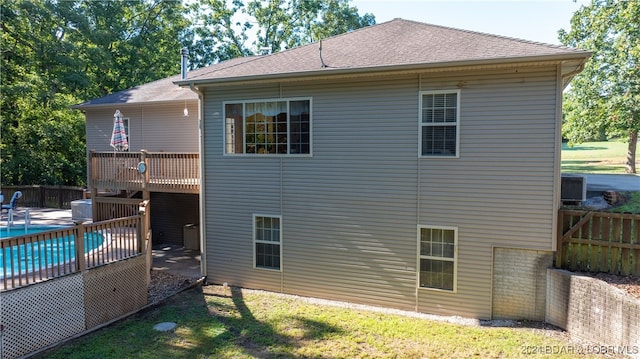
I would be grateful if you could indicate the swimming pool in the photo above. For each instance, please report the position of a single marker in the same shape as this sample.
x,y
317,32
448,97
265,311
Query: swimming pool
x,y
46,252
19,230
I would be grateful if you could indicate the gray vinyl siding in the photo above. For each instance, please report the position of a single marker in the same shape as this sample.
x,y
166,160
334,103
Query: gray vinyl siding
x,y
350,211
500,191
154,127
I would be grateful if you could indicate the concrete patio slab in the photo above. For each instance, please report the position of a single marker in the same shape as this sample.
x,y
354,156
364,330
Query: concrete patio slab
x,y
170,258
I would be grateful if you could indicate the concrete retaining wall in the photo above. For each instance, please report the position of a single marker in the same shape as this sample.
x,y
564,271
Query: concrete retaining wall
x,y
594,310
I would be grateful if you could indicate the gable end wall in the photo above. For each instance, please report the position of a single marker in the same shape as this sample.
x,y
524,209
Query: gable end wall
x,y
350,212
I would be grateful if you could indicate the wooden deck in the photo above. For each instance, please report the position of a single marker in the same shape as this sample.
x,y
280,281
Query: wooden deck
x,y
145,171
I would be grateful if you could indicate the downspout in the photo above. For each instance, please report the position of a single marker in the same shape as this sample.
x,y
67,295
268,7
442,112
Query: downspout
x,y
184,57
557,157
202,227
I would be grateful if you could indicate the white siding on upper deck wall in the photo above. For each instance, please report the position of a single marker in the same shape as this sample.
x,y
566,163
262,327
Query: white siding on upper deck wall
x,y
154,127
350,212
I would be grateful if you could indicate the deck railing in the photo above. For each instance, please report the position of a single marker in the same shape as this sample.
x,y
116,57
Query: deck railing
x,y
149,171
105,208
32,258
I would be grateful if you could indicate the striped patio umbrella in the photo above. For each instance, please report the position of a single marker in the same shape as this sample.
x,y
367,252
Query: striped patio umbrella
x,y
119,140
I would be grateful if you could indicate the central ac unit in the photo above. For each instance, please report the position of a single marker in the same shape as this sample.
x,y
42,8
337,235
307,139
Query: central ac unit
x,y
573,188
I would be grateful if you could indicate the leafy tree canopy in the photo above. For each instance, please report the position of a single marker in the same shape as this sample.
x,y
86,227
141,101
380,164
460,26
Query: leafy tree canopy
x,y
226,29
57,53
605,96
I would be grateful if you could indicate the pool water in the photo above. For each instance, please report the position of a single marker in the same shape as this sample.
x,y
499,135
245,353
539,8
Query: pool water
x,y
21,231
53,251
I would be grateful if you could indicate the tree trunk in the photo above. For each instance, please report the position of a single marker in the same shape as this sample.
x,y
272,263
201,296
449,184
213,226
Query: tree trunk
x,y
630,166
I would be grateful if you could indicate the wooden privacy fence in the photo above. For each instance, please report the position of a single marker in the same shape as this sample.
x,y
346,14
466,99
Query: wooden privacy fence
x,y
595,242
36,257
44,196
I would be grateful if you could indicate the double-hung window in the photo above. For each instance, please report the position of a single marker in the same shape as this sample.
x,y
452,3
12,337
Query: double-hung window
x,y
267,239
268,127
439,123
438,256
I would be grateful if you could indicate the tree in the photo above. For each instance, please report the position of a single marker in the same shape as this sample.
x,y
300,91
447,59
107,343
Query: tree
x,y
605,96
41,138
59,53
122,44
224,30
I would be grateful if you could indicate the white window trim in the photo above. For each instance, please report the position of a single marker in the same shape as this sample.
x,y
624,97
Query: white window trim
x,y
454,259
244,103
254,241
421,126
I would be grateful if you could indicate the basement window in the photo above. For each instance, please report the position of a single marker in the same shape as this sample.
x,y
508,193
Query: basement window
x,y
267,238
437,260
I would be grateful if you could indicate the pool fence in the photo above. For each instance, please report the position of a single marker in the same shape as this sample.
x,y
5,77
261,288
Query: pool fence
x,y
49,299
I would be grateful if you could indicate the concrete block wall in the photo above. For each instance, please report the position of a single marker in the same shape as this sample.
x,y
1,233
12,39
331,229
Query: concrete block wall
x,y
557,303
594,310
519,283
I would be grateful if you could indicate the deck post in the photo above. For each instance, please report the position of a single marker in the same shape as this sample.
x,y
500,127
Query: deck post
x,y
560,233
145,240
81,263
145,175
92,183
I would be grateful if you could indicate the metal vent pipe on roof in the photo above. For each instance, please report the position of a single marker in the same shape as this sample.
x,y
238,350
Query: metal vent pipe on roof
x,y
184,53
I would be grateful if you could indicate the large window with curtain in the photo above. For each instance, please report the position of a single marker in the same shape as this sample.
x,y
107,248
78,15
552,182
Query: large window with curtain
x,y
268,127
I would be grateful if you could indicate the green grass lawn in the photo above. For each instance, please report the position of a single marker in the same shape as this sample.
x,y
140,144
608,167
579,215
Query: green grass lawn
x,y
221,322
595,157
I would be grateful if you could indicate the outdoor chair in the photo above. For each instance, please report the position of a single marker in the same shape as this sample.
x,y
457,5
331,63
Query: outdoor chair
x,y
13,203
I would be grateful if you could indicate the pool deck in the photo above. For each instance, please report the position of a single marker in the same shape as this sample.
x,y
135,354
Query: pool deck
x,y
170,258
41,216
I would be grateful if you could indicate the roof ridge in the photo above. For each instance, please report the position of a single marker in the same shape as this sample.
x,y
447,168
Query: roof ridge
x,y
393,44
487,34
258,57
315,42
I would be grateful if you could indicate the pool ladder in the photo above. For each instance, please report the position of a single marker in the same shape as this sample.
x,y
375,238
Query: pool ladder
x,y
27,219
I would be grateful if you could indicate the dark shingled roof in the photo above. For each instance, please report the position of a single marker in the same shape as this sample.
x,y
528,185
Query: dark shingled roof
x,y
391,45
396,44
164,90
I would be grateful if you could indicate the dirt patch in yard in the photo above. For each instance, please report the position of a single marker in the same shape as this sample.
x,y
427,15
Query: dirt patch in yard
x,y
628,284
164,285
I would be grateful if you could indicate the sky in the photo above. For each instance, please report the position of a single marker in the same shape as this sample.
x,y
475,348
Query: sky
x,y
534,20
